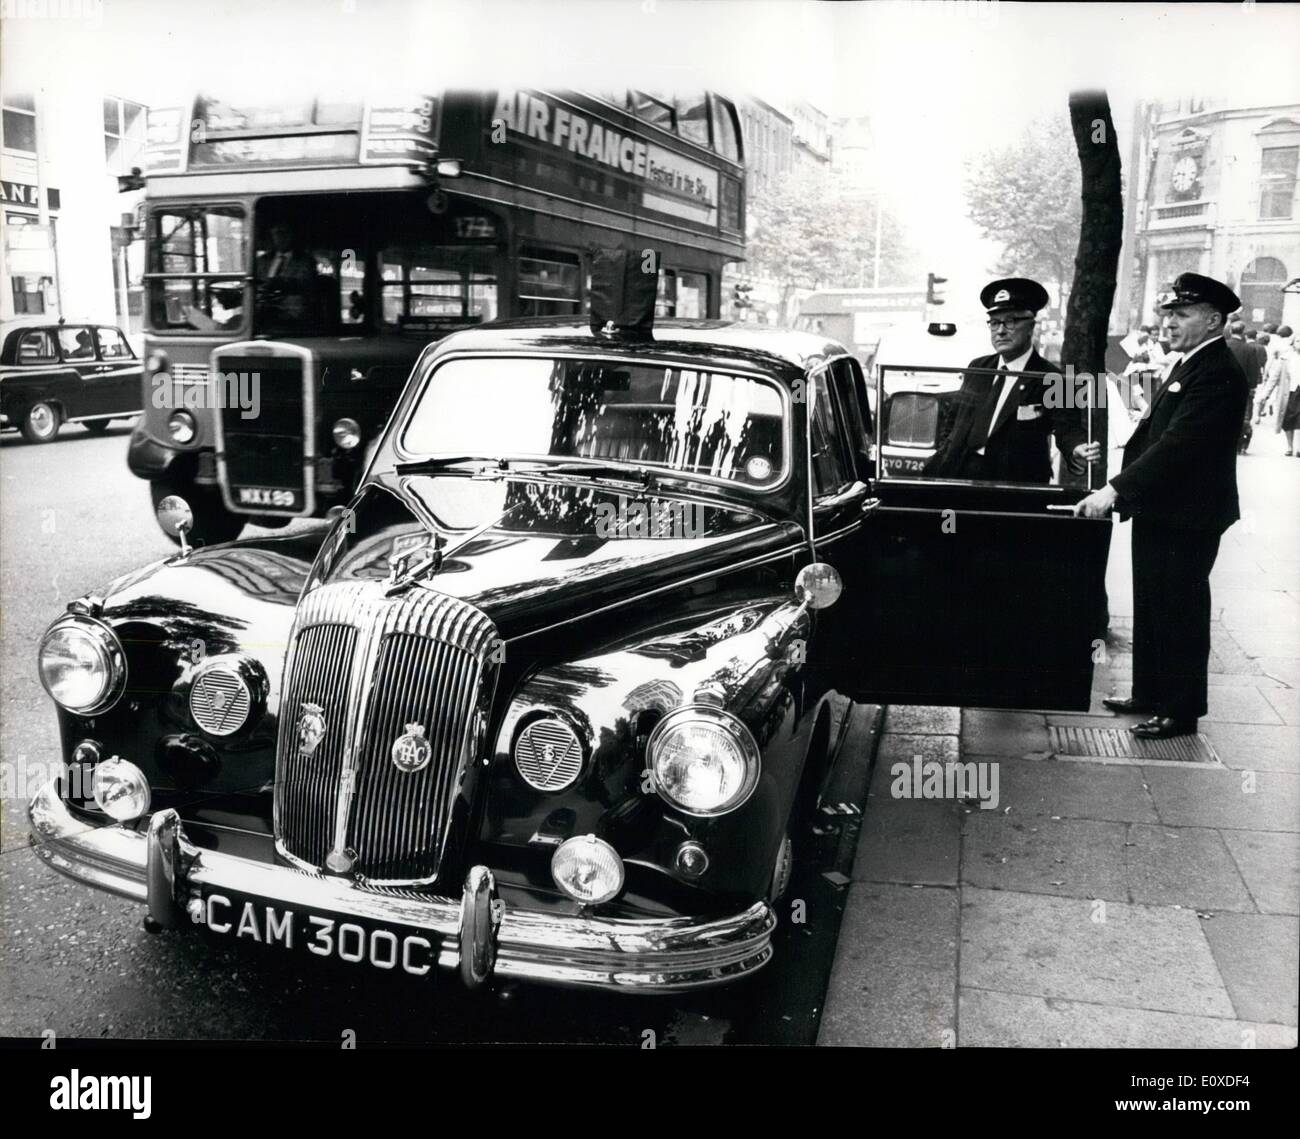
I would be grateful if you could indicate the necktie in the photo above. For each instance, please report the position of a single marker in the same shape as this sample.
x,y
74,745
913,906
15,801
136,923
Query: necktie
x,y
979,432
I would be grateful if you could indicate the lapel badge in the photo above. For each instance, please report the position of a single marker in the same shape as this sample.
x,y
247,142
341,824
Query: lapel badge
x,y
311,729
1176,386
411,750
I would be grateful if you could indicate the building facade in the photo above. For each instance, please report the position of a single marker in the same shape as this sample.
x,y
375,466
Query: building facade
x,y
70,255
1212,189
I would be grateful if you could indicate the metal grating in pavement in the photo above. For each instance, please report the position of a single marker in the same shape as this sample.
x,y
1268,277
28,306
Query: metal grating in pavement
x,y
1121,744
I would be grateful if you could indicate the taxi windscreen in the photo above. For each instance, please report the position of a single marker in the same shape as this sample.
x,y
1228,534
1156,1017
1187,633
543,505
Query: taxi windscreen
x,y
700,422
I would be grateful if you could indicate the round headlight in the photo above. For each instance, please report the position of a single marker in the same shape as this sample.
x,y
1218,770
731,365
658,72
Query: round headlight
x,y
156,362
181,426
588,869
82,665
121,791
703,761
347,433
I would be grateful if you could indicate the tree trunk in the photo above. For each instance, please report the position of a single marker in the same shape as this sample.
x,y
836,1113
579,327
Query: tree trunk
x,y
1092,291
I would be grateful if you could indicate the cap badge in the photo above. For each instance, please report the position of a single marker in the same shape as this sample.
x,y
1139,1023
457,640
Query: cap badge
x,y
1000,296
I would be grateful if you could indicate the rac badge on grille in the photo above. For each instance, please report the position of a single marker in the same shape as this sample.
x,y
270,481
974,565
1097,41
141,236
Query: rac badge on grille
x,y
411,751
311,730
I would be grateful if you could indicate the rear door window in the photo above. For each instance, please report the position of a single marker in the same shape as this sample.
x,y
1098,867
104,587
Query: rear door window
x,y
77,344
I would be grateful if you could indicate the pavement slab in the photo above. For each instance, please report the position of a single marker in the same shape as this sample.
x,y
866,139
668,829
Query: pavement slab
x,y
1285,702
1259,959
922,720
1069,858
986,731
1187,866
1140,957
895,978
1240,705
1001,1020
900,748
1238,800
1256,747
1269,863
1078,790
911,841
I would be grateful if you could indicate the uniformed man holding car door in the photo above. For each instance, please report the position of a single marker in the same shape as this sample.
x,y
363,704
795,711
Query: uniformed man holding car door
x,y
1179,484
1005,420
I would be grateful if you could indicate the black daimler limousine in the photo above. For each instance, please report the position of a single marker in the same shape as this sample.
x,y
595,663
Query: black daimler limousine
x,y
548,699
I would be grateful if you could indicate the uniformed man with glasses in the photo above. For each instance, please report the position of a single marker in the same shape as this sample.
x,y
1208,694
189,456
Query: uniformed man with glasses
x,y
1005,419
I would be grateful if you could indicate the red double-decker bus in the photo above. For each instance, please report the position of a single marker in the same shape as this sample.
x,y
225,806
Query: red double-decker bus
x,y
301,256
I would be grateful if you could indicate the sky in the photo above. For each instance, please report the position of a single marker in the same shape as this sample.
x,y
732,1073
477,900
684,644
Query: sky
x,y
942,79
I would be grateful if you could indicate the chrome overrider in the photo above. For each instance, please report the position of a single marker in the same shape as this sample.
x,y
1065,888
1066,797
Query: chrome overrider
x,y
478,935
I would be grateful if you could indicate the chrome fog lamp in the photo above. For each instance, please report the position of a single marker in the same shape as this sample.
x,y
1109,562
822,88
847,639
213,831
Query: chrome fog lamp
x,y
703,760
347,433
82,665
181,427
588,869
121,791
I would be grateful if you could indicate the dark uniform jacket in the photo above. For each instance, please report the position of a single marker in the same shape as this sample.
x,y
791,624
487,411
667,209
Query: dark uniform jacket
x,y
1180,465
1018,448
1244,353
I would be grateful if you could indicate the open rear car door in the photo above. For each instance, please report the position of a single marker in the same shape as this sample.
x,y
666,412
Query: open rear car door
x,y
969,593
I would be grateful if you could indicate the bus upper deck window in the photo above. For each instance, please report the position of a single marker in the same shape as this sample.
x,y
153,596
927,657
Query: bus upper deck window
x,y
726,138
693,118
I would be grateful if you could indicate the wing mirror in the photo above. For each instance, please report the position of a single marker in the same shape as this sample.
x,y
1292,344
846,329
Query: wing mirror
x,y
176,519
818,586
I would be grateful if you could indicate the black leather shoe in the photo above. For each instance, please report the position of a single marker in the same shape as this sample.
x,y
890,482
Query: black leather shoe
x,y
1162,727
1125,704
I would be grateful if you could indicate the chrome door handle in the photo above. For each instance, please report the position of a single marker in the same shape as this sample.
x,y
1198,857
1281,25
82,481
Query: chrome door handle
x,y
870,506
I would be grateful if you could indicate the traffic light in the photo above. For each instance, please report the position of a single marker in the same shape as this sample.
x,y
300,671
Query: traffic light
x,y
740,295
932,282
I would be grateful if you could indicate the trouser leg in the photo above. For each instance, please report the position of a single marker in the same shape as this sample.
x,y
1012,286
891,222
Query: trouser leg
x,y
1186,639
1148,589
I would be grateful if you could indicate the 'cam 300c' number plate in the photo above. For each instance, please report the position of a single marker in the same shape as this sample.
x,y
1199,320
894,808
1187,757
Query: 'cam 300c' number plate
x,y
358,942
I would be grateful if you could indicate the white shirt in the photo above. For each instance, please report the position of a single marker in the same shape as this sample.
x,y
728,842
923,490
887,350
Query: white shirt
x,y
1016,365
1188,355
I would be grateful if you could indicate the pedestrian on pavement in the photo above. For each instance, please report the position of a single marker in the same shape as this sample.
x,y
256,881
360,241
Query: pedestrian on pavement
x,y
1275,391
1245,355
1179,485
1289,380
1004,422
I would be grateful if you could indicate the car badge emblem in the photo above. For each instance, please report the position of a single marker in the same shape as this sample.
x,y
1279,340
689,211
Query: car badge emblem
x,y
311,730
1002,295
412,751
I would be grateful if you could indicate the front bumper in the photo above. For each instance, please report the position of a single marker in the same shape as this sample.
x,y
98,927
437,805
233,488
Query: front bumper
x,y
478,935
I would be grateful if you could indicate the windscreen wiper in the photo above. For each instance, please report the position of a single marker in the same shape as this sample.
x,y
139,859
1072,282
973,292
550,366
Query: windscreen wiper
x,y
442,462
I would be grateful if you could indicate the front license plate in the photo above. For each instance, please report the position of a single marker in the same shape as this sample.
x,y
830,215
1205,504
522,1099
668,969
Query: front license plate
x,y
274,497
398,949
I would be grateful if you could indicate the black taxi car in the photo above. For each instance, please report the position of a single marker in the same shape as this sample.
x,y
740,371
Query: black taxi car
x,y
547,699
53,373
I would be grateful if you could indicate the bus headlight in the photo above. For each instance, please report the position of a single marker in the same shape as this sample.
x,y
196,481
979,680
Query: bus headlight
x,y
121,791
181,426
82,665
588,869
703,760
347,433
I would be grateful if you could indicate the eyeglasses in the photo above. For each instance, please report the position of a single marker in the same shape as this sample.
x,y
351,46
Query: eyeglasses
x,y
1008,322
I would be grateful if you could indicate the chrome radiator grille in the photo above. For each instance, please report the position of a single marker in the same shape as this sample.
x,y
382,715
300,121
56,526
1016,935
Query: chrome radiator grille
x,y
374,666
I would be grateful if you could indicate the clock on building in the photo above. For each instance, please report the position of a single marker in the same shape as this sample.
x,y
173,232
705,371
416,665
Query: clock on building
x,y
1184,175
